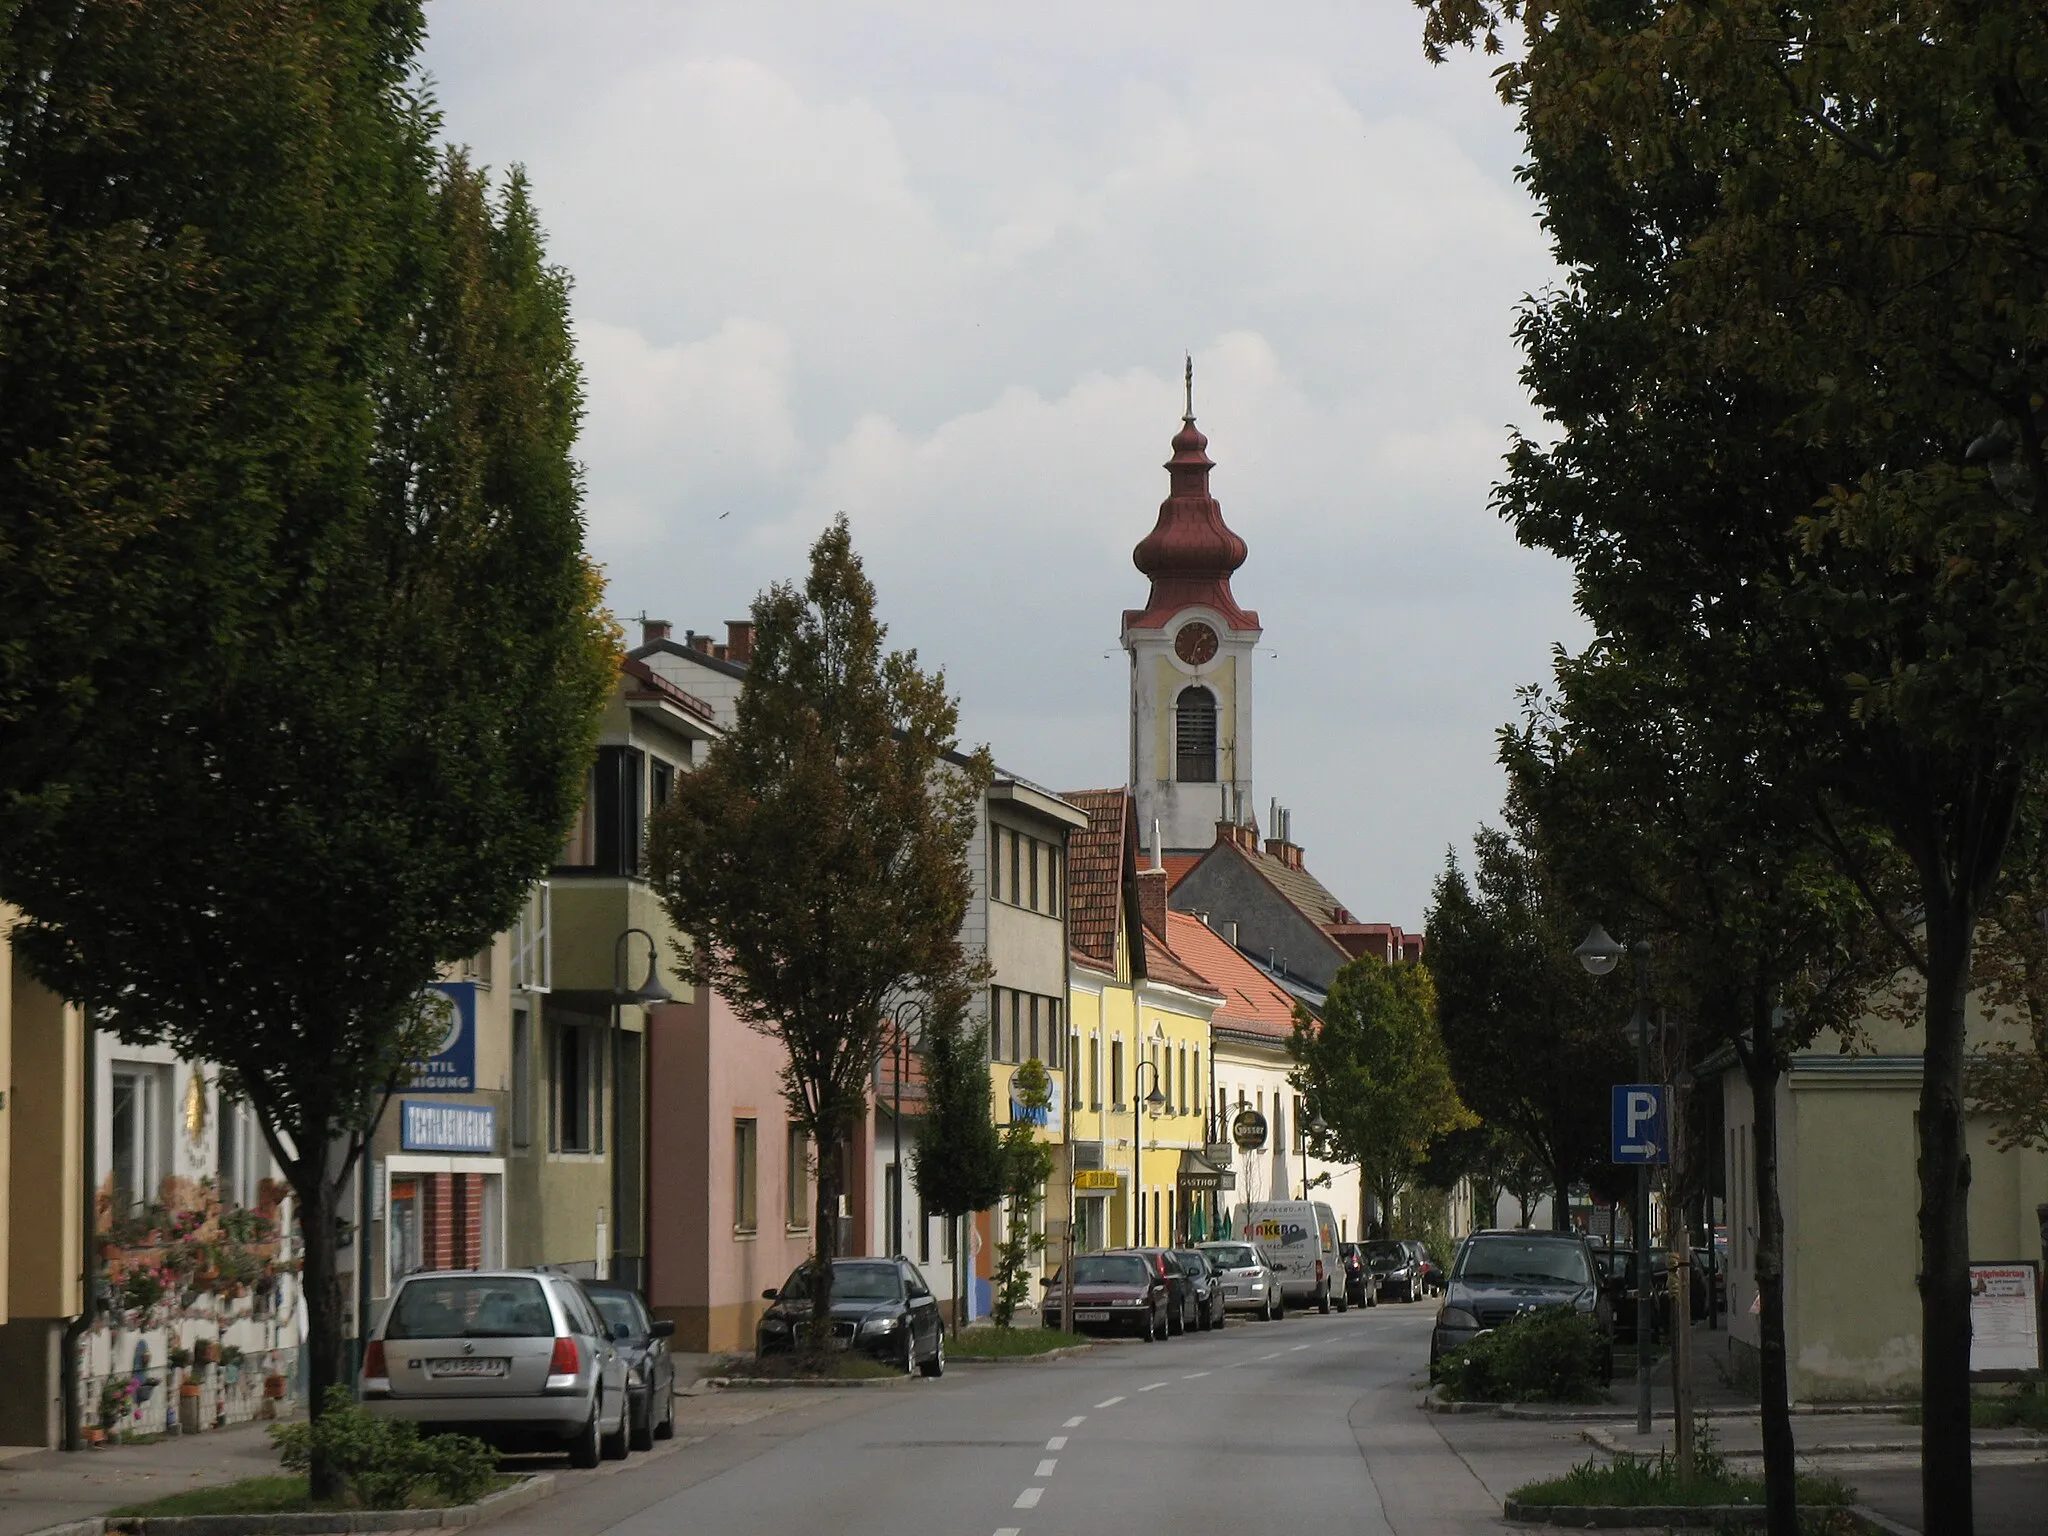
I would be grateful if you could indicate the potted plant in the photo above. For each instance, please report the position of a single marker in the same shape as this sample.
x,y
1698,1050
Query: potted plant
x,y
205,1351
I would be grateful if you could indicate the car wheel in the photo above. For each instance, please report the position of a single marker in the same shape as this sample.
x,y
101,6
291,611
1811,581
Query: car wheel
x,y
666,1429
1343,1301
1150,1333
936,1366
615,1445
587,1449
642,1437
1176,1322
1323,1301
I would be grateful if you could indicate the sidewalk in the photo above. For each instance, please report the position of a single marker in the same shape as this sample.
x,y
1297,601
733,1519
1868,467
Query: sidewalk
x,y
45,1488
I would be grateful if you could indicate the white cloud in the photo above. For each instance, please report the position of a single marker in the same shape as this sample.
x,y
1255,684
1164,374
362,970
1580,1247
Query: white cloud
x,y
934,265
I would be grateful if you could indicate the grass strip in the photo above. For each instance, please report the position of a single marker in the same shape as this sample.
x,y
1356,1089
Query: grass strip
x,y
282,1494
1010,1343
802,1367
1630,1482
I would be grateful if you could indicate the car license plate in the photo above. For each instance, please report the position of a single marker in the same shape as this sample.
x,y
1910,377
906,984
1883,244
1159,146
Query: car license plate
x,y
479,1366
1232,1290
1091,1317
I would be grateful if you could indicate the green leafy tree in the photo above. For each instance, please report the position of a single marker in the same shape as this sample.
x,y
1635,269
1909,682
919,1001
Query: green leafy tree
x,y
958,1164
1490,1163
1373,1069
1822,226
266,870
819,856
1531,1047
1027,1164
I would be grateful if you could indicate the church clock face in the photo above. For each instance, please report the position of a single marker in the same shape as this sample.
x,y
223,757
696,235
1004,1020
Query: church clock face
x,y
1195,644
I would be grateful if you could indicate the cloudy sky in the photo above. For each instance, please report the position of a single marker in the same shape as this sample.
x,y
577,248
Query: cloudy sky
x,y
935,263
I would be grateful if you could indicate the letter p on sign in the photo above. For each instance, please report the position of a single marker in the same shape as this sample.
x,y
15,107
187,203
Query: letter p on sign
x,y
1640,1121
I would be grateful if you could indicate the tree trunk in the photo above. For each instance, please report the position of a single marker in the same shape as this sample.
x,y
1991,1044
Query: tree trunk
x,y
1760,1065
1561,1200
1945,1230
323,1350
831,1168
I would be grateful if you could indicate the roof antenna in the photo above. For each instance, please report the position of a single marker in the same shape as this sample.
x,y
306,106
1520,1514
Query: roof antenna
x,y
1188,386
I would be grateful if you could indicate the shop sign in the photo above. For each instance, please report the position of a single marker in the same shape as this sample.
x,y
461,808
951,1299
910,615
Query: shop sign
x,y
447,1127
1051,1119
1096,1181
1248,1129
451,1066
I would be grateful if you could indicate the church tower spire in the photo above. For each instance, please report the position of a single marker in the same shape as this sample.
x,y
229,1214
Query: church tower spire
x,y
1191,651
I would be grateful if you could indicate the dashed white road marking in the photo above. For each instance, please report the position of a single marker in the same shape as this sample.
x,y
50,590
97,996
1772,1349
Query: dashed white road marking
x,y
1301,1346
1194,1375
1056,1443
1045,1467
1153,1388
1273,1356
1009,1530
1078,1420
1109,1402
1029,1498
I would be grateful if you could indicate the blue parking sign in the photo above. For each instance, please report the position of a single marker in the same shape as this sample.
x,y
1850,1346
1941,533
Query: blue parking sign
x,y
1641,1122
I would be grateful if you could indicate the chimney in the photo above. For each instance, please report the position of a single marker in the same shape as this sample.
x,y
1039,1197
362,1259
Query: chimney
x,y
739,640
700,643
1152,900
652,630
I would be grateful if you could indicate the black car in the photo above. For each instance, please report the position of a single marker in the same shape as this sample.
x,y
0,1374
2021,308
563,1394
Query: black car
x,y
1432,1272
881,1307
1361,1289
1207,1283
1618,1281
1394,1269
1182,1312
1498,1276
650,1368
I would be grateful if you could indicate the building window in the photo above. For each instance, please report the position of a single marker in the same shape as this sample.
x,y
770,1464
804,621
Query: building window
x,y
1016,874
1032,847
522,1077
1033,1040
239,1154
607,835
577,1104
1054,862
1194,736
1095,1071
1116,1072
745,1151
138,1127
1053,1034
924,1232
797,1181
661,782
1016,1026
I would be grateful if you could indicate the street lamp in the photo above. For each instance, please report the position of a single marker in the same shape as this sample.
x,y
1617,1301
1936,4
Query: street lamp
x,y
646,995
1152,1103
1599,954
1311,1135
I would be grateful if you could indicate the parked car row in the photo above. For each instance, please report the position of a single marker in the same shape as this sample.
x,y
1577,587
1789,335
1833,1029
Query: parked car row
x,y
525,1359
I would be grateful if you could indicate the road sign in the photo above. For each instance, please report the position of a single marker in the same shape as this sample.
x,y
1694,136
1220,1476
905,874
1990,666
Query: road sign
x,y
1642,1123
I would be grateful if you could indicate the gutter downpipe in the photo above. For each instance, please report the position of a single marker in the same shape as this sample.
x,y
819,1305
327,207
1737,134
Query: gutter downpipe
x,y
75,1329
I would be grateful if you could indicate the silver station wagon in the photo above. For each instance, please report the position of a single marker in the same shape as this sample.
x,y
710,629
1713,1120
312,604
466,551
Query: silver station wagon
x,y
517,1358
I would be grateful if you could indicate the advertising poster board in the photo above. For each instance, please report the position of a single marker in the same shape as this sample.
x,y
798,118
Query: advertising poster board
x,y
2005,1319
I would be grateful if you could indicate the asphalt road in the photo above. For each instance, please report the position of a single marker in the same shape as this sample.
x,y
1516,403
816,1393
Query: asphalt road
x,y
1265,1427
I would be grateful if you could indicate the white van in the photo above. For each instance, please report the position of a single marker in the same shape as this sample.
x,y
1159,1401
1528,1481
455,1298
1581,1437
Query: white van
x,y
1299,1239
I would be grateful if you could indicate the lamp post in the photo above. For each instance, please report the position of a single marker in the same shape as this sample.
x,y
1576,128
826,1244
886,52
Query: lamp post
x,y
1311,1135
1153,1102
1599,954
646,995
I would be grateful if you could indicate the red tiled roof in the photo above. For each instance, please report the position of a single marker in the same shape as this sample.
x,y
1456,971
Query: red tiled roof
x,y
1095,871
1165,967
1252,1002
1178,864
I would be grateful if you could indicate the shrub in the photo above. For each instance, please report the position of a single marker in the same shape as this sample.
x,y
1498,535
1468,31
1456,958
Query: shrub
x,y
1552,1355
387,1460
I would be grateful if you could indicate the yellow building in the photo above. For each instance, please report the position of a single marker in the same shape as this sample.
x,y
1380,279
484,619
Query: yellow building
x,y
1140,1051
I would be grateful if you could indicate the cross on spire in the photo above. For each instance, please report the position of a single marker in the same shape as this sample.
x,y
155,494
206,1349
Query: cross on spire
x,y
1188,387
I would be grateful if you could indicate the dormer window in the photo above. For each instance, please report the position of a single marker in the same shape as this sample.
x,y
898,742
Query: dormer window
x,y
1194,736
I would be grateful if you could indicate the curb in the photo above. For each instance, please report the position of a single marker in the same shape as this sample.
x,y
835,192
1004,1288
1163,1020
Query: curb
x,y
1631,1517
527,1490
772,1383
1037,1359
1875,1524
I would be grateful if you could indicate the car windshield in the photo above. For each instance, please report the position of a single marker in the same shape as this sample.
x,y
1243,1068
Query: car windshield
x,y
617,1307
850,1282
1385,1253
1109,1269
1528,1261
470,1307
1192,1264
1234,1256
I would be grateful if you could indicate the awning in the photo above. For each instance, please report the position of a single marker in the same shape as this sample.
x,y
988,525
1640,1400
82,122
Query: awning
x,y
1197,1173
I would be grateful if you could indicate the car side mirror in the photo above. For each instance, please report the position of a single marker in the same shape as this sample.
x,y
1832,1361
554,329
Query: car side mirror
x,y
768,1295
664,1327
622,1331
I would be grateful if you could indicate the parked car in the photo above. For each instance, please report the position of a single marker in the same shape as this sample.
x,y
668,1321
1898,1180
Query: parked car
x,y
1618,1281
1360,1286
881,1307
1299,1243
1113,1293
1395,1269
1183,1312
1249,1282
650,1368
1208,1285
1432,1273
517,1358
1499,1275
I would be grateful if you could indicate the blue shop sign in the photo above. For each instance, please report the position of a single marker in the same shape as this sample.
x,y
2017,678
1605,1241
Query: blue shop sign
x,y
447,1127
451,1067
1051,1119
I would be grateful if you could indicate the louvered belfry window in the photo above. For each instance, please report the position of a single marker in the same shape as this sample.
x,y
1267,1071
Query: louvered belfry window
x,y
1194,735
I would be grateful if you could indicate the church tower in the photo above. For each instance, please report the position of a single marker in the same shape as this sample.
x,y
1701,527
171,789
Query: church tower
x,y
1191,662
